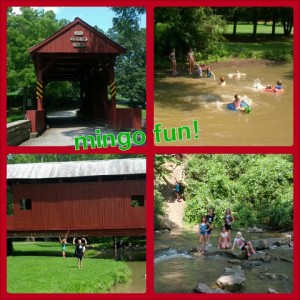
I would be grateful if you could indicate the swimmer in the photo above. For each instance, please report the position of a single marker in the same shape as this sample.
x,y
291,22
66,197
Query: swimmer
x,y
277,87
222,81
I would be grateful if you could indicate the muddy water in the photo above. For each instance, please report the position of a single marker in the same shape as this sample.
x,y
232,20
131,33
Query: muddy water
x,y
137,283
177,272
136,261
180,99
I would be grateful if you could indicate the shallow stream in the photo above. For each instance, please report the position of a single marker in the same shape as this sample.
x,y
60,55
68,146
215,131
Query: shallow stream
x,y
178,272
180,99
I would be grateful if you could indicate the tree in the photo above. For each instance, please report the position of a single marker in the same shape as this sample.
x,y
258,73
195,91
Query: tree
x,y
287,20
24,31
184,28
258,188
130,68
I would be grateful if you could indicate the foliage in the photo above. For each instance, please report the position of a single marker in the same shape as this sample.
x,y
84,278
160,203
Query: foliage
x,y
181,29
184,28
24,31
257,188
159,206
130,68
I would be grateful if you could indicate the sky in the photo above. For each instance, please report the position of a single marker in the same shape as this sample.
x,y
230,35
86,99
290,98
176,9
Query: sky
x,y
100,16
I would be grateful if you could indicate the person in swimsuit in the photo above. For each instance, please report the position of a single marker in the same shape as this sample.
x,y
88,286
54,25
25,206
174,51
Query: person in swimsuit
x,y
210,218
222,81
63,243
204,226
224,239
276,87
172,57
191,60
199,70
242,244
228,220
209,73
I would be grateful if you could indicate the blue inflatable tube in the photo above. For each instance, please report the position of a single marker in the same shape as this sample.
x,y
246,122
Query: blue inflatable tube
x,y
231,105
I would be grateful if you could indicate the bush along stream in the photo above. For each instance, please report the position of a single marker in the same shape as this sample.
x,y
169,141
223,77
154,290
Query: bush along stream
x,y
224,271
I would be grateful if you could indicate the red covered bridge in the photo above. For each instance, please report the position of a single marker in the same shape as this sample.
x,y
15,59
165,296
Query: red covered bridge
x,y
81,54
90,198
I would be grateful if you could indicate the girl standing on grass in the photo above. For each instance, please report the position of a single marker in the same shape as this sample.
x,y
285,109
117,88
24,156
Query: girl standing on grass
x,y
63,243
204,227
79,252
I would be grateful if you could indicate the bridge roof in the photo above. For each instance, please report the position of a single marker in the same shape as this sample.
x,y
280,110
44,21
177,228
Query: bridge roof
x,y
128,166
73,53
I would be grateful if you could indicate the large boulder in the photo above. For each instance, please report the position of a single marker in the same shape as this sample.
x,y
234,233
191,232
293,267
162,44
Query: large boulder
x,y
233,280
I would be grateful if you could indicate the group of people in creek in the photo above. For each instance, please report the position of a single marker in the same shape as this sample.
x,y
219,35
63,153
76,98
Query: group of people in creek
x,y
209,74
225,241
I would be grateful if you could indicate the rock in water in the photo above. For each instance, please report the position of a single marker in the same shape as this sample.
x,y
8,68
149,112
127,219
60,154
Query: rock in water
x,y
204,289
233,280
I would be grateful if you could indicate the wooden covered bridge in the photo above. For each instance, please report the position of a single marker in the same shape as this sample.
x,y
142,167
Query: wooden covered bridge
x,y
81,54
86,198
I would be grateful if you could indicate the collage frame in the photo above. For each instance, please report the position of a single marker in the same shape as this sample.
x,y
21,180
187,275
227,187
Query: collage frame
x,y
150,149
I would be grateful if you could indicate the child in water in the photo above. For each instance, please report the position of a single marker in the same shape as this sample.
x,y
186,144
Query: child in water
x,y
224,239
173,60
222,81
237,103
204,227
210,218
242,244
276,87
209,73
191,60
199,70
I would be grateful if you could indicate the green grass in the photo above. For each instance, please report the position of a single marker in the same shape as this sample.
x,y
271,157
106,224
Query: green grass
x,y
248,28
33,273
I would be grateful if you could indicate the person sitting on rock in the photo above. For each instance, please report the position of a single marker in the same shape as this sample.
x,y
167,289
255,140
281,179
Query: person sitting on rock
x,y
224,239
242,244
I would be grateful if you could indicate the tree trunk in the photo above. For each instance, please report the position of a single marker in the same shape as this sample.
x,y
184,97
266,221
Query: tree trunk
x,y
273,27
10,247
254,23
235,19
287,21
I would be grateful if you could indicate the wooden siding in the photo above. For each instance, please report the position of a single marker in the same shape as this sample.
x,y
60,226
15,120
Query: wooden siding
x,y
96,42
74,206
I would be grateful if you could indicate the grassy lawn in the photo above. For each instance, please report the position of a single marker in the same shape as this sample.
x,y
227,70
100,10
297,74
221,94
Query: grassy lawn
x,y
30,272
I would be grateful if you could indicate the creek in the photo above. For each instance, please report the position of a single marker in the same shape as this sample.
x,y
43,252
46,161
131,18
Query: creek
x,y
136,261
180,99
178,271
